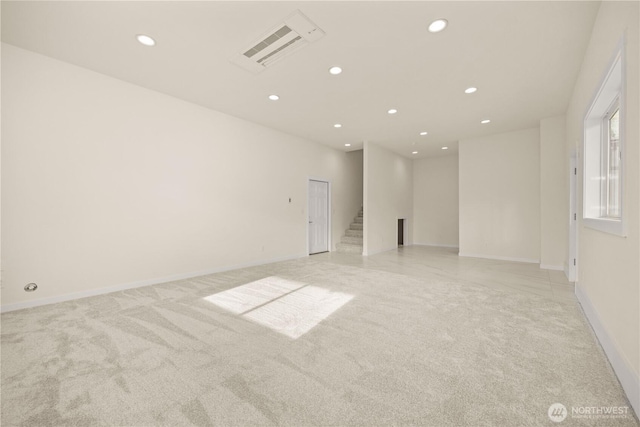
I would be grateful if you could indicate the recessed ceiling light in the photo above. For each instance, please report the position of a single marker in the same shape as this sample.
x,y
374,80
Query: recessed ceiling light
x,y
145,40
438,25
445,148
347,145
484,122
423,133
335,70
470,89
392,111
414,152
337,125
274,97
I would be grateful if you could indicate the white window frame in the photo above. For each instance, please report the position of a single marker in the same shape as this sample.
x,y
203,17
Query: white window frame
x,y
606,161
610,93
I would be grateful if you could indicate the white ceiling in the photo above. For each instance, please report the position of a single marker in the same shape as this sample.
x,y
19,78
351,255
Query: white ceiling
x,y
523,57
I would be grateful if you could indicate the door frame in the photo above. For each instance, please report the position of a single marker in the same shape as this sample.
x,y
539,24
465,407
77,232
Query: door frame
x,y
572,272
329,219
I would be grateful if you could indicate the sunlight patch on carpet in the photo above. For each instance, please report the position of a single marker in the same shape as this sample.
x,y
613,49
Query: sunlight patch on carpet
x,y
288,307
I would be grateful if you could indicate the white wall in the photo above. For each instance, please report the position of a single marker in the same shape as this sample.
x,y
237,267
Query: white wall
x,y
107,184
435,201
1,281
388,196
500,196
554,216
354,187
608,285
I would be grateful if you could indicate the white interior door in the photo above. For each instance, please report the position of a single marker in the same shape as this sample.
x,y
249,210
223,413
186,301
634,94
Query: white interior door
x,y
573,220
318,216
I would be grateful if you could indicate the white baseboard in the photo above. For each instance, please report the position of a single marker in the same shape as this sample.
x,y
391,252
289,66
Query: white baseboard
x,y
437,245
501,258
138,284
628,378
551,267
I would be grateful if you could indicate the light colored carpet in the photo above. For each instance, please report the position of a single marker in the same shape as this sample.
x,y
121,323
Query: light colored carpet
x,y
305,342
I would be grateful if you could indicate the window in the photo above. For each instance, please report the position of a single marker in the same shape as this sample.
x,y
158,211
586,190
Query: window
x,y
612,190
604,154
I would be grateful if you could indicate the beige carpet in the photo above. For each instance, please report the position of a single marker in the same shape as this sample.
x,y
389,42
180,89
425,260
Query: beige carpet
x,y
301,343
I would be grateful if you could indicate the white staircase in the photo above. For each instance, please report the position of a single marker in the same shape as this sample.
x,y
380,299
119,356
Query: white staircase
x,y
352,241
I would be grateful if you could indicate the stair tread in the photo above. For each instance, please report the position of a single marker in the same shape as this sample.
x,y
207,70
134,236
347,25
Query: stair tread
x,y
348,247
352,241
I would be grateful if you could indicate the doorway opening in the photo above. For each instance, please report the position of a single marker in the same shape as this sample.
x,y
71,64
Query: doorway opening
x,y
401,232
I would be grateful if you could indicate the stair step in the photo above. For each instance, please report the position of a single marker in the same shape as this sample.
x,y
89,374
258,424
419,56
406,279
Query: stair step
x,y
347,247
353,240
354,233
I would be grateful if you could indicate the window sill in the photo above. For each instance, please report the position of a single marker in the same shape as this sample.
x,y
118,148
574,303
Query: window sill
x,y
606,225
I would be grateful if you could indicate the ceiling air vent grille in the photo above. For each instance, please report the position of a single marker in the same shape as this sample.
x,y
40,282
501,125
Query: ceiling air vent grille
x,y
296,32
278,50
268,41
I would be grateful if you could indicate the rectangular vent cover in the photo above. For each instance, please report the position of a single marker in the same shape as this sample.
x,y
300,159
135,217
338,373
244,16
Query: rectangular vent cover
x,y
296,32
268,41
